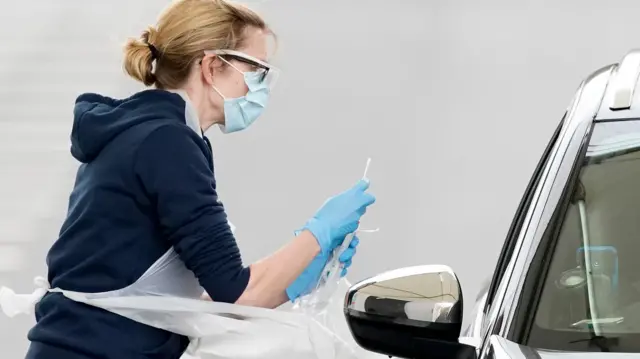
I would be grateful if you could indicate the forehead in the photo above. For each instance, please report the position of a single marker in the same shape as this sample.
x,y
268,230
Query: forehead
x,y
256,44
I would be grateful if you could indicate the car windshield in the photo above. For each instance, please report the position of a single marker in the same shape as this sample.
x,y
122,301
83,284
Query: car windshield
x,y
590,296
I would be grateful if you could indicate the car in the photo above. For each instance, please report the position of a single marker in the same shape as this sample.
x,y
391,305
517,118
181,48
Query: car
x,y
567,281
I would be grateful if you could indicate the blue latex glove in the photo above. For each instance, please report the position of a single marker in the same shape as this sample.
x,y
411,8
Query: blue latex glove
x,y
308,280
339,216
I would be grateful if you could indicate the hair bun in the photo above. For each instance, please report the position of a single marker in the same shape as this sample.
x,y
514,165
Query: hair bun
x,y
139,56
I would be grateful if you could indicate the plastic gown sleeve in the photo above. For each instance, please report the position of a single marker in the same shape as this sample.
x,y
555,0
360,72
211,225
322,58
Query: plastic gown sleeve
x,y
172,166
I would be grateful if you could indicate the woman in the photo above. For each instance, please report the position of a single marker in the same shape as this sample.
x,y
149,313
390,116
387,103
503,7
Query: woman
x,y
146,184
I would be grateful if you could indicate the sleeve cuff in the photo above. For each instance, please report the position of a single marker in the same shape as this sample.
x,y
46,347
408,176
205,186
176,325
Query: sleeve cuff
x,y
233,288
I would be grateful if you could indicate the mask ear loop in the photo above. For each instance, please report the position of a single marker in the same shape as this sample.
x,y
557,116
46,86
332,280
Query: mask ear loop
x,y
219,93
235,68
230,64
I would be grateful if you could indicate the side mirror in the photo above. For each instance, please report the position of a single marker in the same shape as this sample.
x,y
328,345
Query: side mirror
x,y
412,312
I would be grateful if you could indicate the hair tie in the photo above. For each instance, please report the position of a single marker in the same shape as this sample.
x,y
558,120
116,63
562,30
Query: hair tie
x,y
154,52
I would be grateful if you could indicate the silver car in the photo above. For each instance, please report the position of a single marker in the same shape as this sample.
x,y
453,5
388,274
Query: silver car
x,y
567,282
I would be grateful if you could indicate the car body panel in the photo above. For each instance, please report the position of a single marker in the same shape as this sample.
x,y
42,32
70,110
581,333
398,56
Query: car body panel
x,y
500,348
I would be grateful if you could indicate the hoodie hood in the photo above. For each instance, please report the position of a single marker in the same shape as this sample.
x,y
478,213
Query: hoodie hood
x,y
98,119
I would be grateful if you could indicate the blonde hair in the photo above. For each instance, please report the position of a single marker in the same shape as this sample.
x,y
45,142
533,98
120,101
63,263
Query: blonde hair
x,y
184,31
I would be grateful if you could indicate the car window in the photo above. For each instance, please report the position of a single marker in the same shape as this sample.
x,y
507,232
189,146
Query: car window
x,y
589,297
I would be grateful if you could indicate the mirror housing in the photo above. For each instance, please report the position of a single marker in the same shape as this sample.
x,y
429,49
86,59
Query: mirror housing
x,y
410,312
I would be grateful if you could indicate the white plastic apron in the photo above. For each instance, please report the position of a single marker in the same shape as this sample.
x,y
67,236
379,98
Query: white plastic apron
x,y
167,296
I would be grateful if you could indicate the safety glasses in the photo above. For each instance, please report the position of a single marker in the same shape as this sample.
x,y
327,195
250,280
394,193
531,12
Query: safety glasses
x,y
268,73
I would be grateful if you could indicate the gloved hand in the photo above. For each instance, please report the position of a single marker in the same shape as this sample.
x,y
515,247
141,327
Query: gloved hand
x,y
307,281
339,216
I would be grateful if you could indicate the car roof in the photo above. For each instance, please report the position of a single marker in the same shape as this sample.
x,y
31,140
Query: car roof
x,y
609,93
621,98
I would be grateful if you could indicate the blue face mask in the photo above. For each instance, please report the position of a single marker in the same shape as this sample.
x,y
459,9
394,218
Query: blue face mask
x,y
241,112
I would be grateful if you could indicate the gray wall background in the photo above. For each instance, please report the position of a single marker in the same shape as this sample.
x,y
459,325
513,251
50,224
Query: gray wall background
x,y
453,100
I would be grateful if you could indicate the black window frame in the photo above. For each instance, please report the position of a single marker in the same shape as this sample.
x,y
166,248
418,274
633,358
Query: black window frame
x,y
516,225
528,302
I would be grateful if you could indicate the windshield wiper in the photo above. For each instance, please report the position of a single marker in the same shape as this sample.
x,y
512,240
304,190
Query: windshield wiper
x,y
603,343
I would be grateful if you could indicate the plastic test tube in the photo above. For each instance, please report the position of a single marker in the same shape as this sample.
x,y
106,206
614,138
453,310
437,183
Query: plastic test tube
x,y
333,271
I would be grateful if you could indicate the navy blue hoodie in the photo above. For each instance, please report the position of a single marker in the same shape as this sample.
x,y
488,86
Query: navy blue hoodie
x,y
145,183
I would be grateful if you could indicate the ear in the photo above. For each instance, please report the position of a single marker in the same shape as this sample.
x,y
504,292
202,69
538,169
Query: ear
x,y
210,66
